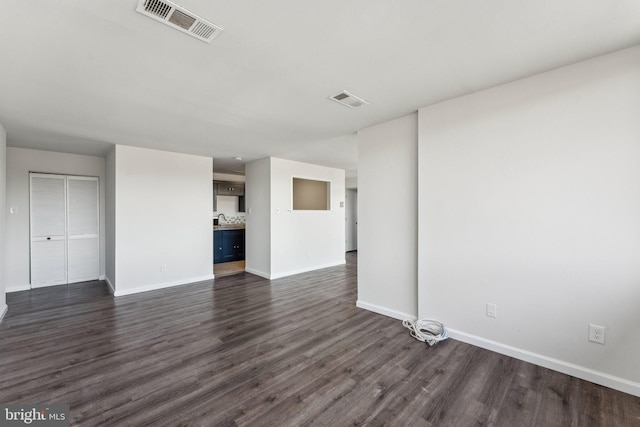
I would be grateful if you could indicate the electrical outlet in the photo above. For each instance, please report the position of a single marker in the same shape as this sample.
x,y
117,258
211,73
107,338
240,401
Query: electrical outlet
x,y
596,333
163,267
491,310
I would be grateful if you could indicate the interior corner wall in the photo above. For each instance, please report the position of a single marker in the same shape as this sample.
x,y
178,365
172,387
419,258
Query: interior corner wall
x,y
305,240
20,162
351,183
3,209
530,199
110,215
388,219
163,226
258,217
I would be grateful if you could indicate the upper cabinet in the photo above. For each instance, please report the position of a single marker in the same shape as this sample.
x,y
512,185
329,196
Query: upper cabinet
x,y
221,188
229,189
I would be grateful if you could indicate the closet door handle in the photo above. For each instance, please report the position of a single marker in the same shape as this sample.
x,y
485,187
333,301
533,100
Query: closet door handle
x,y
48,238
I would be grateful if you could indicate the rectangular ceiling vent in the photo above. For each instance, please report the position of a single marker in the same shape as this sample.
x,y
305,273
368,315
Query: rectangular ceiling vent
x,y
348,99
179,18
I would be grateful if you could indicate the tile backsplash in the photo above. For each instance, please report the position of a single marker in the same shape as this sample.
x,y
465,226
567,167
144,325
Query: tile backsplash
x,y
239,219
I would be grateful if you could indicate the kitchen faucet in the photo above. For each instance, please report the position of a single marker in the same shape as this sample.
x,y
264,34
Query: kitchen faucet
x,y
222,215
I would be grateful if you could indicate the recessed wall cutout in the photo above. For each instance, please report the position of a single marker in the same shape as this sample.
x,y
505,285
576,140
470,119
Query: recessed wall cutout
x,y
311,195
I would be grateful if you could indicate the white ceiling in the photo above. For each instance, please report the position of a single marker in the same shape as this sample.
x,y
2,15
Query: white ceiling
x,y
79,76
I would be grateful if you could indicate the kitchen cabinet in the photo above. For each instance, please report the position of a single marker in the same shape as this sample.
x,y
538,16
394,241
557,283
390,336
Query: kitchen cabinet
x,y
230,189
232,245
228,245
217,246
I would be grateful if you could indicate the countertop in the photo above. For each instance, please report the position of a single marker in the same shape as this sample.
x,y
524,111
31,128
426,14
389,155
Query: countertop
x,y
229,227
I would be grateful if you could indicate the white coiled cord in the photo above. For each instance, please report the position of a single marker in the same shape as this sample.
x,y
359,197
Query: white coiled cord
x,y
426,330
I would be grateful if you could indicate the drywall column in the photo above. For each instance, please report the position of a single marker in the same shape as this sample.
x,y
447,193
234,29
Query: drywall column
x,y
110,216
281,241
305,240
3,210
387,223
163,219
530,199
258,214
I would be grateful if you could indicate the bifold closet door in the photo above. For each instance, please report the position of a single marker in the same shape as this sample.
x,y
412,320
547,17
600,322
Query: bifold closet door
x,y
64,229
82,229
48,230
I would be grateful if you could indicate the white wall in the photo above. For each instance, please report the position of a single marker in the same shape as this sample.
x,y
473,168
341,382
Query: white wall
x,y
163,212
258,214
305,240
19,163
110,215
3,175
228,177
281,242
228,205
530,199
388,218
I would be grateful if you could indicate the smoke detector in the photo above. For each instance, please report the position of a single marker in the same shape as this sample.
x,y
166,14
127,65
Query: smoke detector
x,y
179,18
348,99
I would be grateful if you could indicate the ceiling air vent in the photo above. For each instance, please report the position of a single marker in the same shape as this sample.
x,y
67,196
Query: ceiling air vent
x,y
348,99
179,18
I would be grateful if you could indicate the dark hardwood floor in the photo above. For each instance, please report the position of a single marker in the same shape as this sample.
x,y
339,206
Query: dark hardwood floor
x,y
246,351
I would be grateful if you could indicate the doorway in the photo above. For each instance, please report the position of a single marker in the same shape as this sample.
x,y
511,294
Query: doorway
x,y
351,212
64,229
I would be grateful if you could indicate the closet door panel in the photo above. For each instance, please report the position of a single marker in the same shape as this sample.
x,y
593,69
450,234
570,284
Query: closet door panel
x,y
47,205
48,263
83,260
48,230
83,229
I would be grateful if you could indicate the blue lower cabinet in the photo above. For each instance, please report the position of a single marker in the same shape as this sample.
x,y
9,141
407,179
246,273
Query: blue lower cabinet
x,y
217,247
228,245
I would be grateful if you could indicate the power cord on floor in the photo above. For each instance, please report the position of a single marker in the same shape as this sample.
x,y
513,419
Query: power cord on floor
x,y
426,330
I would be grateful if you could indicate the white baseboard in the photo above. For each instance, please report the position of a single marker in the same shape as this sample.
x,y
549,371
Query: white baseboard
x,y
385,311
113,289
102,277
156,286
27,287
293,272
577,371
19,288
3,311
258,273
306,270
